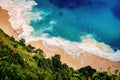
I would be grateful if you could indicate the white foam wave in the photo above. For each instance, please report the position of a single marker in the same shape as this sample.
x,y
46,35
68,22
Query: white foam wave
x,y
21,15
88,44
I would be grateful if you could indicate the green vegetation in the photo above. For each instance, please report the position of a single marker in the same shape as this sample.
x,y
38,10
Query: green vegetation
x,y
18,63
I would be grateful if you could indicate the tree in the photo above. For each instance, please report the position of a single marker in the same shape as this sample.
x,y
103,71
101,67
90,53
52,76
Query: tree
x,y
56,62
22,42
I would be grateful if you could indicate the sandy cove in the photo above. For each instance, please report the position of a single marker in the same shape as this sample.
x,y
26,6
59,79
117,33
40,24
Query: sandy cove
x,y
84,59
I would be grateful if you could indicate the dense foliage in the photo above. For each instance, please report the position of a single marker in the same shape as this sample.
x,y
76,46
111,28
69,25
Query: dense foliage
x,y
17,62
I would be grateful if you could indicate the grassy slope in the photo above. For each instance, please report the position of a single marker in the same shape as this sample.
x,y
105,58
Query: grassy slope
x,y
18,63
25,63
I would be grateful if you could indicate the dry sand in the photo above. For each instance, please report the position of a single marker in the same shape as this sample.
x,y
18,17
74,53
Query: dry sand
x,y
5,24
84,59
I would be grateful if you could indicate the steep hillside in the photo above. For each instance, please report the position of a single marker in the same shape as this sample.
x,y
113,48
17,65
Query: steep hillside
x,y
23,62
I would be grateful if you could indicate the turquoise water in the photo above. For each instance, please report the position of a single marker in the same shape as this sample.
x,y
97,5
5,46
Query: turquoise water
x,y
95,18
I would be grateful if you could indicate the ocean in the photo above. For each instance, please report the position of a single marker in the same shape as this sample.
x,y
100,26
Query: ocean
x,y
73,25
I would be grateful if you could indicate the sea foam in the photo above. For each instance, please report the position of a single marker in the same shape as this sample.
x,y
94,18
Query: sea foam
x,y
21,15
20,12
88,45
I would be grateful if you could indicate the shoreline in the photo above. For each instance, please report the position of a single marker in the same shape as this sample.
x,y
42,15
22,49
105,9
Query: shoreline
x,y
84,59
5,24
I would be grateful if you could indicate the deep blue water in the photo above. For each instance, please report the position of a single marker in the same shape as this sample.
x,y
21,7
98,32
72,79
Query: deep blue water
x,y
75,18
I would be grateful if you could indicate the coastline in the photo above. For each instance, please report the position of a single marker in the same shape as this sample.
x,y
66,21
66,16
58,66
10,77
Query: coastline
x,y
84,59
5,24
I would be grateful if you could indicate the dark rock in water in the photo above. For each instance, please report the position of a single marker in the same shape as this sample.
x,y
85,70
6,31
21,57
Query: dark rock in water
x,y
66,3
60,14
116,11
